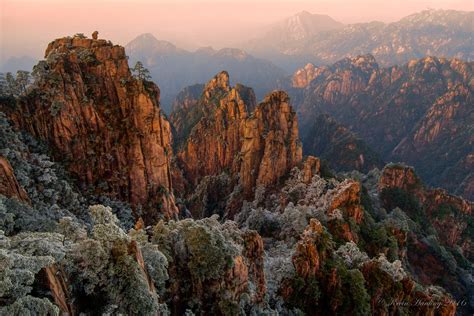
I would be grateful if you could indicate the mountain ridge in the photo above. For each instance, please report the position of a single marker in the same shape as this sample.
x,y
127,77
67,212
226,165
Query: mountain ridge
x,y
417,112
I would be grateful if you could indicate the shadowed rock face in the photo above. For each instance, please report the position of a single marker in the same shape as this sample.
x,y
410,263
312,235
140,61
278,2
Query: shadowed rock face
x,y
339,146
103,122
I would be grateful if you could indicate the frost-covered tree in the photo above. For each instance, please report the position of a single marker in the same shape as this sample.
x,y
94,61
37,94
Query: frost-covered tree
x,y
104,267
21,258
40,71
351,254
11,84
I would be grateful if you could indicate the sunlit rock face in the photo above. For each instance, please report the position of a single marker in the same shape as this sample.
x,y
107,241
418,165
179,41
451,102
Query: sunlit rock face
x,y
254,147
419,112
104,123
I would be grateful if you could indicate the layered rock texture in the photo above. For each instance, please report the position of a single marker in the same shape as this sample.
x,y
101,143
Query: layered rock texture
x,y
103,122
419,113
260,146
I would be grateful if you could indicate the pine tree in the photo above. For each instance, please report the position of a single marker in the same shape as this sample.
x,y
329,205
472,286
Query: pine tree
x,y
22,81
141,72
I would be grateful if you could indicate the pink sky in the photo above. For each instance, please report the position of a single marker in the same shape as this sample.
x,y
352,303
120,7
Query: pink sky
x,y
26,26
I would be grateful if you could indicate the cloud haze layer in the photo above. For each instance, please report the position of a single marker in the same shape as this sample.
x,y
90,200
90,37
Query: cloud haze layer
x,y
27,26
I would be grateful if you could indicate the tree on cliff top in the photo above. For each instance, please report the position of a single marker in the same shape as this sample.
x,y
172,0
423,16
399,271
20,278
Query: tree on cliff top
x,y
140,72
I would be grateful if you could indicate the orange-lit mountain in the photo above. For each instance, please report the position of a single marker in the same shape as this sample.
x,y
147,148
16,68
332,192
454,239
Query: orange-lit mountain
x,y
419,113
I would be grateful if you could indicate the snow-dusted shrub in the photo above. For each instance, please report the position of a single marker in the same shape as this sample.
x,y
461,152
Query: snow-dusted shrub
x,y
394,269
352,256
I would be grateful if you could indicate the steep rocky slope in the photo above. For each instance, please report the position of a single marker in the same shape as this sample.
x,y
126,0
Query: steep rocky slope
x,y
103,122
337,145
420,112
253,148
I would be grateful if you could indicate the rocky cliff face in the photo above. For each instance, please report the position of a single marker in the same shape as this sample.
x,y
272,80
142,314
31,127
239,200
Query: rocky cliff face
x,y
340,147
9,186
446,219
260,147
303,76
214,141
271,145
103,122
446,132
418,113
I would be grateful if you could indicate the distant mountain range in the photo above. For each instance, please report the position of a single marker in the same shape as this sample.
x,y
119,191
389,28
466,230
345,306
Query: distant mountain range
x,y
284,34
174,68
13,64
321,40
293,42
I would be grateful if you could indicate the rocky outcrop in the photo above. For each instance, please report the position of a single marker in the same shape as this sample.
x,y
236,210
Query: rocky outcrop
x,y
105,124
402,177
254,254
450,215
271,145
260,147
311,167
306,258
446,122
303,76
347,198
214,142
55,280
418,113
322,283
9,186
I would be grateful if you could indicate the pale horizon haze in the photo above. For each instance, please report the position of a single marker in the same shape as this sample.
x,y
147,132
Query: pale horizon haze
x,y
27,26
